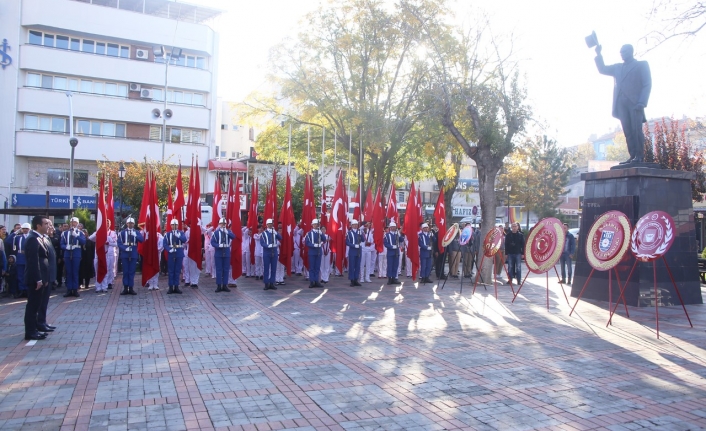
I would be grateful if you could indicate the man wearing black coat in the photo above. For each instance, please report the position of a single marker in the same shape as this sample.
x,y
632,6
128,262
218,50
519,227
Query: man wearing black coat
x,y
40,272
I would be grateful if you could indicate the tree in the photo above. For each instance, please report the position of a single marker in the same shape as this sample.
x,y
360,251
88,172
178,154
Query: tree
x,y
481,101
354,69
669,145
618,150
584,153
134,181
680,20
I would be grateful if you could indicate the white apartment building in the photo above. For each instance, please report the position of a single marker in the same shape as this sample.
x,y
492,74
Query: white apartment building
x,y
103,52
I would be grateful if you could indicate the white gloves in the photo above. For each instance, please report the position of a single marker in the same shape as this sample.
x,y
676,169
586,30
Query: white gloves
x,y
270,245
357,246
394,247
428,248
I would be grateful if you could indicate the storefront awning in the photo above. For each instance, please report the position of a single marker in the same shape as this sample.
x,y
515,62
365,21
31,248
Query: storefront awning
x,y
226,165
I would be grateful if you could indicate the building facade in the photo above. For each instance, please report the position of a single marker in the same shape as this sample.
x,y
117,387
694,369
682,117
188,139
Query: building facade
x,y
105,54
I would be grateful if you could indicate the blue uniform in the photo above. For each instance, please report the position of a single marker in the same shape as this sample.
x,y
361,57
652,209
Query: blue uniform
x,y
220,240
392,244
127,243
270,254
174,245
354,241
17,243
425,248
72,241
313,240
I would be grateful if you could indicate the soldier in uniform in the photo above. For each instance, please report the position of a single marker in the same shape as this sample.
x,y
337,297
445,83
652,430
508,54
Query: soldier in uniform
x,y
72,242
220,241
367,256
111,255
174,242
392,244
269,240
314,238
355,243
18,240
127,243
425,251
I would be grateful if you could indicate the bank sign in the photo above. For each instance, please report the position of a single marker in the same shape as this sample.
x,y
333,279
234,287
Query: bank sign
x,y
23,200
464,185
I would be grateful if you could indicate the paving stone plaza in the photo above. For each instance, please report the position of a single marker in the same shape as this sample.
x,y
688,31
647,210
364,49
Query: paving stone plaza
x,y
350,358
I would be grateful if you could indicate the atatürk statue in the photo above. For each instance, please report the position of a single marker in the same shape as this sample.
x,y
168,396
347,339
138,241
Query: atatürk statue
x,y
630,94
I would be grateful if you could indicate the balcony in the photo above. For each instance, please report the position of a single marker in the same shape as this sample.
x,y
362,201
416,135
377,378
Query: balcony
x,y
122,25
54,102
90,148
102,67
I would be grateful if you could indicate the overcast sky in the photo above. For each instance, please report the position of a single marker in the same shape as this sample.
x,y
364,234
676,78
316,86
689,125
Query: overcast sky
x,y
568,95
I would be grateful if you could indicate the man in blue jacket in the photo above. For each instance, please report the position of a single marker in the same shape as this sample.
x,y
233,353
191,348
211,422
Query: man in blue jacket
x,y
354,242
18,240
313,240
567,254
220,240
392,244
72,241
425,251
269,240
127,243
174,245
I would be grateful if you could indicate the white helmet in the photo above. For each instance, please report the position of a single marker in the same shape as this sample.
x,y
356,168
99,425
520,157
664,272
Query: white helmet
x,y
222,220
424,225
269,221
392,224
315,221
130,220
26,226
74,219
354,221
174,221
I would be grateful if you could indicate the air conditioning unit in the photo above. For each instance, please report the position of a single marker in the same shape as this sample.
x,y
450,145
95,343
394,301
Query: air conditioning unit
x,y
134,87
142,54
146,93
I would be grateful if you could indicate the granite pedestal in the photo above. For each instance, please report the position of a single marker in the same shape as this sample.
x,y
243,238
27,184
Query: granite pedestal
x,y
636,191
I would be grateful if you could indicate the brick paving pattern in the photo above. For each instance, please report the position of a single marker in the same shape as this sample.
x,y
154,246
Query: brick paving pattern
x,y
376,357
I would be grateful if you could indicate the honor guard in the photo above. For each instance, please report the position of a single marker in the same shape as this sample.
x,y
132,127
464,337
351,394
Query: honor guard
x,y
355,243
425,253
313,240
72,241
270,254
18,240
109,249
220,240
392,244
174,245
127,243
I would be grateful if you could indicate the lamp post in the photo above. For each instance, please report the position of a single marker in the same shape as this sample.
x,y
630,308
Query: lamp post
x,y
121,174
509,187
73,142
162,53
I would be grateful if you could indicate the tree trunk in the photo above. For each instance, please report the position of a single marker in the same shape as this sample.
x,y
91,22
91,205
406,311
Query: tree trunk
x,y
488,169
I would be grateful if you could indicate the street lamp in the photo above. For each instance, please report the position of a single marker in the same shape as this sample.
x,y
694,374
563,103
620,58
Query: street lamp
x,y
121,174
73,142
166,113
509,187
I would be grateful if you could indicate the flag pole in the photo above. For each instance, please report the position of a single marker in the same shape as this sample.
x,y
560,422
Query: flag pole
x,y
360,169
350,151
289,154
335,151
323,154
308,149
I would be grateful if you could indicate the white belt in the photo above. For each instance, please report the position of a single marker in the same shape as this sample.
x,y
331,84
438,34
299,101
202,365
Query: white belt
x,y
72,247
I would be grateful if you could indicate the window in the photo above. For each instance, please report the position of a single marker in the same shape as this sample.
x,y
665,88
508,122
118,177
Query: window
x,y
120,130
60,83
198,99
190,61
125,52
155,133
113,50
73,84
235,127
108,129
100,48
31,122
86,86
75,44
44,123
48,40
62,42
185,135
196,137
175,135
89,46
58,125
232,154
98,88
111,89
60,178
181,60
217,150
83,127
122,90
95,128
157,94
188,98
200,63
224,127
178,97
34,80
223,153
47,81
35,37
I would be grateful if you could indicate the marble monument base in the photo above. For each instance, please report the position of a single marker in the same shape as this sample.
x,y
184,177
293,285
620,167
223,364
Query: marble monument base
x,y
636,191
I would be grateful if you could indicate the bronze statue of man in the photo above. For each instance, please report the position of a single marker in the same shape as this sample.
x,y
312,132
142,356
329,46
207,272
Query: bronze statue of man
x,y
630,94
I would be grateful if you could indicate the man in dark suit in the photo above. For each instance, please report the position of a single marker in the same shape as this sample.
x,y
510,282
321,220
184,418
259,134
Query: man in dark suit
x,y
633,83
40,272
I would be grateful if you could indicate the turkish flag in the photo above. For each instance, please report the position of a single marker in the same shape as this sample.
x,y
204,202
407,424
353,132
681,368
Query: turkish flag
x,y
101,233
378,222
170,210
271,201
392,213
308,214
411,224
286,250
440,218
338,223
110,205
252,219
216,215
323,220
194,216
420,207
143,208
233,216
368,208
177,210
150,254
356,205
